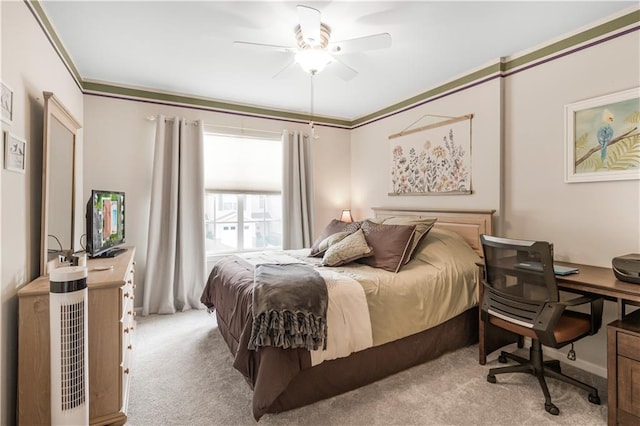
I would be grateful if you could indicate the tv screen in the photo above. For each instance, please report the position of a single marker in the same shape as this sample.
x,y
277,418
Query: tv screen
x,y
105,223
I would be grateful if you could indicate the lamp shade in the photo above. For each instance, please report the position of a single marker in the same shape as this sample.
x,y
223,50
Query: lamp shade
x,y
346,216
313,60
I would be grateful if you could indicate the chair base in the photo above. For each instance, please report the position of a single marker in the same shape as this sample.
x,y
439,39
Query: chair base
x,y
541,369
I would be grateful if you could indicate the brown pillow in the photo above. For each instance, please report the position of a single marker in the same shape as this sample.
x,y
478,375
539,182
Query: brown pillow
x,y
333,227
391,244
423,226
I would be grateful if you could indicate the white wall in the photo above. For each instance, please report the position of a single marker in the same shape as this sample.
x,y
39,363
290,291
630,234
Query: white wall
x,y
371,157
29,66
588,222
118,155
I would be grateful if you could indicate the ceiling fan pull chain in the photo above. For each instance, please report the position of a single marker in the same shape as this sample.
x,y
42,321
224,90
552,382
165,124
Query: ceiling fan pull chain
x,y
311,106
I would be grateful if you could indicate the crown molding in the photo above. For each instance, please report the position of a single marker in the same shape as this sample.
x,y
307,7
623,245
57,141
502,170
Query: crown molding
x,y
625,22
167,98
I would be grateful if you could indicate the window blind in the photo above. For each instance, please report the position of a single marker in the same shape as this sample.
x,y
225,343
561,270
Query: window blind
x,y
238,164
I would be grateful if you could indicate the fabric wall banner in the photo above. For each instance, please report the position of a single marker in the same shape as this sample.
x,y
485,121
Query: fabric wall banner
x,y
433,159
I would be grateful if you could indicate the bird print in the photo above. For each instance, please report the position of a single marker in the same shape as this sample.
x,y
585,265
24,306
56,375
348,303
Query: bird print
x,y
605,133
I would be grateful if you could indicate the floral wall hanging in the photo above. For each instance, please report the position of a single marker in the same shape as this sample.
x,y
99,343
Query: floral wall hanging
x,y
432,160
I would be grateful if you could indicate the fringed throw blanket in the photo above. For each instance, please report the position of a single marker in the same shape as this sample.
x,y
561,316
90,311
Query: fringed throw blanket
x,y
289,307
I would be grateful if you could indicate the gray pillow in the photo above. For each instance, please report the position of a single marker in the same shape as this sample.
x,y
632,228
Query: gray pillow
x,y
353,246
333,227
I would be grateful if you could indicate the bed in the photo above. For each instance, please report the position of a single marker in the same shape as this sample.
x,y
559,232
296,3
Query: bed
x,y
409,322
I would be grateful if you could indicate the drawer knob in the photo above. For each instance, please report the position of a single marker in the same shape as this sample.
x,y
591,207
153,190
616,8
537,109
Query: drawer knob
x,y
126,371
130,347
126,294
126,330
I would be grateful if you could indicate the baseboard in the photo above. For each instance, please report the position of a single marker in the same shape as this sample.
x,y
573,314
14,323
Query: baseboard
x,y
578,363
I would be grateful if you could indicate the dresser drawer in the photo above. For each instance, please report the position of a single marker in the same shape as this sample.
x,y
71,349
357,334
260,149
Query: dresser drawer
x,y
629,346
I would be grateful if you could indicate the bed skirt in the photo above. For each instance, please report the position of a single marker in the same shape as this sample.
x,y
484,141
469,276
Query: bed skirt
x,y
307,384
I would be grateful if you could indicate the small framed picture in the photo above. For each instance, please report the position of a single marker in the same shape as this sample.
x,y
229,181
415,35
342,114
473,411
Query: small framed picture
x,y
7,103
15,153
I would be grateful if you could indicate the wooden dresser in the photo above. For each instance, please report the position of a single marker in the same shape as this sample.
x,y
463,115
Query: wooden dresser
x,y
111,324
623,370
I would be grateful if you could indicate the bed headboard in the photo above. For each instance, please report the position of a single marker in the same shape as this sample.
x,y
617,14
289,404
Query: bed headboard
x,y
467,223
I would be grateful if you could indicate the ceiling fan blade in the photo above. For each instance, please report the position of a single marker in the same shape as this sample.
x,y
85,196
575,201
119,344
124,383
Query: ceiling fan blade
x,y
262,46
372,42
285,69
309,19
342,70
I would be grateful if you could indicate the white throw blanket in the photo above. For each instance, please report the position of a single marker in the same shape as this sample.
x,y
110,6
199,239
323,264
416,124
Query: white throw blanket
x,y
348,322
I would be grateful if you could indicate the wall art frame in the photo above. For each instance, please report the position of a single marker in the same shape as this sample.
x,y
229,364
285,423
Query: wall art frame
x,y
6,102
432,160
15,153
602,138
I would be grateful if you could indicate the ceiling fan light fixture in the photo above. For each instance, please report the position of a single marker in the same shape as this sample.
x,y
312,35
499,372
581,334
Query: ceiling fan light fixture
x,y
313,61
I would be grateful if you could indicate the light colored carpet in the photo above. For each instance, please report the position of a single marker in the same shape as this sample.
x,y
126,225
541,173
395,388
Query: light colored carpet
x,y
183,375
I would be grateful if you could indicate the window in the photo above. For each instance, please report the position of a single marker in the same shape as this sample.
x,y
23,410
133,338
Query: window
x,y
243,202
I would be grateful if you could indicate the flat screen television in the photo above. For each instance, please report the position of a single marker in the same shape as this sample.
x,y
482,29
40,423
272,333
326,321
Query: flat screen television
x,y
105,223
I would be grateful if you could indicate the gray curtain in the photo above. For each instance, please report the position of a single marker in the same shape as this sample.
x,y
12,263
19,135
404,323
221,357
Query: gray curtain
x,y
176,257
297,191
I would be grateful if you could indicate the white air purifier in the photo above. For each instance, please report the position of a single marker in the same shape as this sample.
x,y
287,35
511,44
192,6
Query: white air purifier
x,y
68,314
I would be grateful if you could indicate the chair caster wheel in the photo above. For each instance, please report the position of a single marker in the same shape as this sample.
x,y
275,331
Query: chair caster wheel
x,y
502,359
594,399
491,378
551,409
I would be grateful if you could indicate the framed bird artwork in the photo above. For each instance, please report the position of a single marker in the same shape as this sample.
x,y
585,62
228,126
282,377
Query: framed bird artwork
x,y
603,138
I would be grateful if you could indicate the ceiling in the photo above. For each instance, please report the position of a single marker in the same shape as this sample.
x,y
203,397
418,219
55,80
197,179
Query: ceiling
x,y
187,47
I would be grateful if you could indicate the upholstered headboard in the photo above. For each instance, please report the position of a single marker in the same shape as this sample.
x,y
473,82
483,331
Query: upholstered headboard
x,y
467,223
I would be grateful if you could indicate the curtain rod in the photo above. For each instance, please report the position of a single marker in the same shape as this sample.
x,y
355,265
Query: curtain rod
x,y
153,118
271,132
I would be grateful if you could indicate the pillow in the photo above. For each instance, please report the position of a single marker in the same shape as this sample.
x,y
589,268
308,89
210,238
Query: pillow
x,y
331,240
333,227
441,245
391,244
423,226
353,246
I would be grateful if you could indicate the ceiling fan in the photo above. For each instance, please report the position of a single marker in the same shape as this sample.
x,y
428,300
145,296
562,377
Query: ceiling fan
x,y
314,51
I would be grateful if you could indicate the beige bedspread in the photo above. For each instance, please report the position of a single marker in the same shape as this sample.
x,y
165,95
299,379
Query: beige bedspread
x,y
436,285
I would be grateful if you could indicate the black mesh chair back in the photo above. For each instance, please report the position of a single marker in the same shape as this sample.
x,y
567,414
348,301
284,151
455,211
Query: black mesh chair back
x,y
518,279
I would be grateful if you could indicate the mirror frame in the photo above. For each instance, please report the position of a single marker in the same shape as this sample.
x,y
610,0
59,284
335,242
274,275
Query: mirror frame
x,y
53,108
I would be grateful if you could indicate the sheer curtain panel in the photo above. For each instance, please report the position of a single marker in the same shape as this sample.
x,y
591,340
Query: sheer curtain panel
x,y
175,270
297,191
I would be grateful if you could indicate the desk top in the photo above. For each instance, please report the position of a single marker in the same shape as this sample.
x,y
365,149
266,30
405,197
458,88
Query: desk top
x,y
598,280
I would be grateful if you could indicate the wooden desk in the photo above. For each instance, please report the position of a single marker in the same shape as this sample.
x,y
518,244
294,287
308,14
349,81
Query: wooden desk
x,y
600,281
590,280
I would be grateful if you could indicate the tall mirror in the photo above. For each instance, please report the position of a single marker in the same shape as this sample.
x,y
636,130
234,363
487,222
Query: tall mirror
x,y
58,182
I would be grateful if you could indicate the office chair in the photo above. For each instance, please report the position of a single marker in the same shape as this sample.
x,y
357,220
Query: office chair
x,y
521,296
